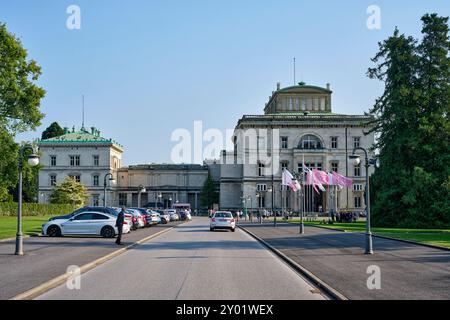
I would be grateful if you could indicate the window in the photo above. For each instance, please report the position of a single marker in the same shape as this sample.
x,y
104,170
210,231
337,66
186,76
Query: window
x,y
310,142
53,180
261,201
96,179
319,166
284,166
95,202
334,142
84,216
284,142
74,161
357,170
358,187
122,199
356,142
98,216
261,187
334,166
76,177
261,167
53,161
96,160
357,202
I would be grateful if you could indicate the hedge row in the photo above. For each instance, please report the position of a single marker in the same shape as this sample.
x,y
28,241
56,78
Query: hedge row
x,y
35,209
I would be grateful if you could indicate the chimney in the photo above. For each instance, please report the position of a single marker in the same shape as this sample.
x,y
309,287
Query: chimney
x,y
328,87
278,86
93,131
66,130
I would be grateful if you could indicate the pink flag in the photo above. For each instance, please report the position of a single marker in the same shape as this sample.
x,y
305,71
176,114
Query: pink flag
x,y
342,181
286,180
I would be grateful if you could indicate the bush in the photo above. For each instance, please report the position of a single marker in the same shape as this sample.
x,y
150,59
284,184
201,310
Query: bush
x,y
35,209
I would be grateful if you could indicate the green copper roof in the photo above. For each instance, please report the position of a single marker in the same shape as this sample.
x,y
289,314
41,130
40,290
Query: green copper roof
x,y
81,136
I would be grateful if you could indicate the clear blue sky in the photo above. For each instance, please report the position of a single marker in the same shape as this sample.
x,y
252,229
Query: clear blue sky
x,y
149,67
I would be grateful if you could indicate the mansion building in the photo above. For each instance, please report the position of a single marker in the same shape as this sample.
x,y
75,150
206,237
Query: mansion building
x,y
298,126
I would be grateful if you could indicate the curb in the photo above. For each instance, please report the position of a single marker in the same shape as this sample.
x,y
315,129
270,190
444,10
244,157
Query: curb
x,y
13,238
336,295
46,286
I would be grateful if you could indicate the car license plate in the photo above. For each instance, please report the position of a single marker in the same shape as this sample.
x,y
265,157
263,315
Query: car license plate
x,y
223,220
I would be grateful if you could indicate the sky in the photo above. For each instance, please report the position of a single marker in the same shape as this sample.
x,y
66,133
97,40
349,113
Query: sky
x,y
147,68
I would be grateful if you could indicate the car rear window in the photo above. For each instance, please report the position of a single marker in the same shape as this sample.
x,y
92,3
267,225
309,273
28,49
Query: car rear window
x,y
222,215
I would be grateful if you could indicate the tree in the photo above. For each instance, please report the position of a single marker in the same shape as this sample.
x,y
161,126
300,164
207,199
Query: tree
x,y
19,105
54,130
69,192
410,189
209,195
20,97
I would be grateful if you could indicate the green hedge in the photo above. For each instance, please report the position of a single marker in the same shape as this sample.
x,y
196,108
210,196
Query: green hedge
x,y
35,209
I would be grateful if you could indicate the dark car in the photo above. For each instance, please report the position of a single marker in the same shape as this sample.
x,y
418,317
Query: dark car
x,y
108,210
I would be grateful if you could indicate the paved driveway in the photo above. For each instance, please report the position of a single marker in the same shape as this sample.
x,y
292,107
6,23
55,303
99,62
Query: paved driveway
x,y
46,258
190,262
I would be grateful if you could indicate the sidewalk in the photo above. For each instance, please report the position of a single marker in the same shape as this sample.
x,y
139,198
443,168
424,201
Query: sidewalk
x,y
46,258
408,271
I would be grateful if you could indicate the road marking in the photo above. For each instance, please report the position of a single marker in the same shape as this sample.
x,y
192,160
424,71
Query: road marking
x,y
330,291
55,282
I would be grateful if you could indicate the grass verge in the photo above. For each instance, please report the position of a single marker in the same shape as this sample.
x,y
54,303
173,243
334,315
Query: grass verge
x,y
30,225
436,237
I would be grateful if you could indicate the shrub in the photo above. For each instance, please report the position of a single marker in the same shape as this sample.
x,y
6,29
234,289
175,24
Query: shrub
x,y
35,209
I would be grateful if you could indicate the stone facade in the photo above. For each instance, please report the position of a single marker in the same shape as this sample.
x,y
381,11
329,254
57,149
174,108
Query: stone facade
x,y
298,125
83,155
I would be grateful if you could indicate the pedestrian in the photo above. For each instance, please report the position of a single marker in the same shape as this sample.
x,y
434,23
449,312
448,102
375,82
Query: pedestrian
x,y
119,224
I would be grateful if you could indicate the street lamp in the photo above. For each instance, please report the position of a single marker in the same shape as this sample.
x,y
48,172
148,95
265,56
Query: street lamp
x,y
356,159
141,189
159,200
272,190
111,178
33,160
170,200
251,205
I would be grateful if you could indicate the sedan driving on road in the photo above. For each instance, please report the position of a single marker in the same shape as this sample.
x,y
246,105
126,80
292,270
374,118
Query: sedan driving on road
x,y
85,223
222,220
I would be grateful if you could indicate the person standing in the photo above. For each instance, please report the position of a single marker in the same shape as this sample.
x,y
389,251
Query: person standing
x,y
119,224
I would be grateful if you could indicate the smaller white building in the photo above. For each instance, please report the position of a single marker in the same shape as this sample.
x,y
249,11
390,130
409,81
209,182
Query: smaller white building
x,y
83,155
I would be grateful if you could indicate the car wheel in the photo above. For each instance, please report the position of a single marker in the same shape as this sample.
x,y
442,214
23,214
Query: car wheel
x,y
211,229
107,232
54,231
233,229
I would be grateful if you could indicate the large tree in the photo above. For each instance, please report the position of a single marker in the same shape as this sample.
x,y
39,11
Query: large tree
x,y
209,195
53,130
20,99
410,189
69,192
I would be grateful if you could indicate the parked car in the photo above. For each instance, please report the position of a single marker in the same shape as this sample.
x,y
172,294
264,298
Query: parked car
x,y
137,219
85,223
108,210
222,220
146,214
154,217
172,214
185,215
165,218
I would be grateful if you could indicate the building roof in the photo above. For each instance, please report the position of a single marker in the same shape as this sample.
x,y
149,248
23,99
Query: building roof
x,y
80,137
167,166
303,87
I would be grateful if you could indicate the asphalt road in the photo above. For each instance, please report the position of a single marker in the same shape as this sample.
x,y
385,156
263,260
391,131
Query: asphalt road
x,y
407,271
46,258
190,262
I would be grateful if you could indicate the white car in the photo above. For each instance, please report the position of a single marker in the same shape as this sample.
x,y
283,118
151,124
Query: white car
x,y
85,223
172,214
165,218
155,217
222,220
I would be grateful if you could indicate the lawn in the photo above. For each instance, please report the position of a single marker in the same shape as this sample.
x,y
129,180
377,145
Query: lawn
x,y
30,225
437,237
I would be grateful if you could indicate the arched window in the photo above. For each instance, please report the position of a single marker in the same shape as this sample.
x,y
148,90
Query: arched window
x,y
310,142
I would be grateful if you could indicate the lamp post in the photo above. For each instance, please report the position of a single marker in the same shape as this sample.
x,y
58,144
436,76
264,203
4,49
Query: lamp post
x,y
299,176
356,161
111,178
171,205
141,189
159,200
272,190
251,204
33,160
